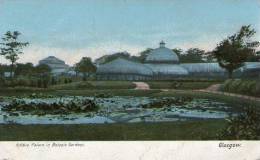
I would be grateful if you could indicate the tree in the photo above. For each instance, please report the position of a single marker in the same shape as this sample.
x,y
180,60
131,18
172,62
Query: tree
x,y
232,52
43,71
142,55
11,47
1,70
245,125
108,58
192,55
178,51
209,57
85,66
76,69
24,69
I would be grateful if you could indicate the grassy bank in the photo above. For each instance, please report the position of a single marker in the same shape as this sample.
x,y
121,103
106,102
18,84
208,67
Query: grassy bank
x,y
95,85
180,85
191,130
78,92
246,87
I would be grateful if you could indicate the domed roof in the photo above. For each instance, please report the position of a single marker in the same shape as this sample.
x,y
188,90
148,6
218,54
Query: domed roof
x,y
54,63
51,59
122,66
162,55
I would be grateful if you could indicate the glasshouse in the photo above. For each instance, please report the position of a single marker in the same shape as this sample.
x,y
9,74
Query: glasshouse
x,y
57,66
121,69
162,63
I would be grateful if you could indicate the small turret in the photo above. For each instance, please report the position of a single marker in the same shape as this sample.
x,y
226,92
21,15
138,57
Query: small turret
x,y
162,44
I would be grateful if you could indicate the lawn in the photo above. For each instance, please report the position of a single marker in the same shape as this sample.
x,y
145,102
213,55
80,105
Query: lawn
x,y
94,85
180,84
190,130
242,86
78,92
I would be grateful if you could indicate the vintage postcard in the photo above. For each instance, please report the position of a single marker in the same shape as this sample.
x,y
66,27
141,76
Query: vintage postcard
x,y
129,79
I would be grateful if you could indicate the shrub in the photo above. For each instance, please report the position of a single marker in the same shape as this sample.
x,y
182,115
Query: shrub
x,y
53,81
84,85
248,87
244,126
74,105
45,83
39,83
176,85
235,84
226,85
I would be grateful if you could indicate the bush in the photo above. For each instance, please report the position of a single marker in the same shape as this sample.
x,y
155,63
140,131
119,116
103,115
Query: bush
x,y
244,126
247,87
74,105
84,85
39,83
176,85
234,85
53,81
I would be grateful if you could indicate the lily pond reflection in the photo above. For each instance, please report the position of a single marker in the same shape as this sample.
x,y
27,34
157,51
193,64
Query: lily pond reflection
x,y
80,110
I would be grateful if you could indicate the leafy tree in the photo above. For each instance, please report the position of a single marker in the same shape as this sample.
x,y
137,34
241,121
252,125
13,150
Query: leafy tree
x,y
85,66
178,51
1,70
143,55
76,69
24,69
1,75
11,47
43,71
245,126
192,55
108,58
209,57
125,55
232,52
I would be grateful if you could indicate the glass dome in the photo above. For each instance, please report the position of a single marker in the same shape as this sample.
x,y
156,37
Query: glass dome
x,y
162,55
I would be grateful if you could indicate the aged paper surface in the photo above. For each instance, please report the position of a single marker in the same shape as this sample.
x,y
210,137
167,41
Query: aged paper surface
x,y
146,150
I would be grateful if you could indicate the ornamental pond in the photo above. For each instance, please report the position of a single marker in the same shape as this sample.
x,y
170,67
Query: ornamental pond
x,y
98,110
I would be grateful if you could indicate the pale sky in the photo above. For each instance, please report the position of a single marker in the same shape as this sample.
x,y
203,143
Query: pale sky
x,y
71,29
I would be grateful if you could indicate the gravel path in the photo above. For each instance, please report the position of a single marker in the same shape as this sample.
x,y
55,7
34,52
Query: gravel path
x,y
215,89
211,89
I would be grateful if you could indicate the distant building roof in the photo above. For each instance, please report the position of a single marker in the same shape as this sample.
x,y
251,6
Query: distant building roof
x,y
249,66
55,64
162,55
52,59
202,67
122,66
167,69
